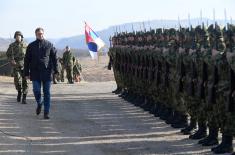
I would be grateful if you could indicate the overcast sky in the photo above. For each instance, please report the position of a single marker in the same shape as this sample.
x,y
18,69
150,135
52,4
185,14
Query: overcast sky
x,y
64,18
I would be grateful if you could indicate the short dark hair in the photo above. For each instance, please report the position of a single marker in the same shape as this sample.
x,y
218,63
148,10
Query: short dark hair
x,y
39,29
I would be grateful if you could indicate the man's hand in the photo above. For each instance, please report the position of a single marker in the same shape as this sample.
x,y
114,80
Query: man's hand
x,y
13,62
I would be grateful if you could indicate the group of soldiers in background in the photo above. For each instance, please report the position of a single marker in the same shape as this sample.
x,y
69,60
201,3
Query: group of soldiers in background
x,y
71,65
185,76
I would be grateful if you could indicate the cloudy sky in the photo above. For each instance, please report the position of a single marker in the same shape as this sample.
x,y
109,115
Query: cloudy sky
x,y
65,18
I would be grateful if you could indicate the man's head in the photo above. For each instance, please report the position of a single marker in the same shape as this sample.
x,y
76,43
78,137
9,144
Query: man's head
x,y
67,48
18,36
39,32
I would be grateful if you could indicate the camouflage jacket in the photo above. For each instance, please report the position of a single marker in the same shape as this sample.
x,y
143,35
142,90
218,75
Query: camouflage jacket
x,y
68,59
16,51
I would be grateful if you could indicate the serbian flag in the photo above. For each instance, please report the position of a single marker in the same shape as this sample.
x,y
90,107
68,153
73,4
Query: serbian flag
x,y
93,41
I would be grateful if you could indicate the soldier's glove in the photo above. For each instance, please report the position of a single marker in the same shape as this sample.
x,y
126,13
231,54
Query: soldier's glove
x,y
181,50
203,49
191,51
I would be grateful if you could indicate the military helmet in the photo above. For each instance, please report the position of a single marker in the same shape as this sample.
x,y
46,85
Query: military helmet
x,y
159,31
214,31
181,32
227,32
198,29
18,33
172,31
152,32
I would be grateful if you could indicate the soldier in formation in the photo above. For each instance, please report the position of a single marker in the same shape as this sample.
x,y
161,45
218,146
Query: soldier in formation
x,y
185,76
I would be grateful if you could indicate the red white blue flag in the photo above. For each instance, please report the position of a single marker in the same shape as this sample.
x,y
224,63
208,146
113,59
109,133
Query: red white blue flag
x,y
93,41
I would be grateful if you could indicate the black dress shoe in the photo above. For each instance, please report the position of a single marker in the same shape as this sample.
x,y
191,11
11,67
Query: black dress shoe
x,y
46,116
38,110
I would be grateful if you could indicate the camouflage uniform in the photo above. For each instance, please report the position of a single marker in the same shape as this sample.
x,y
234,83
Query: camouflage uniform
x,y
77,69
224,94
68,61
62,70
187,82
203,52
16,52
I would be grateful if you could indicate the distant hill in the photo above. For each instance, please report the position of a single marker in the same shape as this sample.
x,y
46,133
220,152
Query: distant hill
x,y
4,44
78,41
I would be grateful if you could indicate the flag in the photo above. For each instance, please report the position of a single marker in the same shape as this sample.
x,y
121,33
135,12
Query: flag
x,y
93,41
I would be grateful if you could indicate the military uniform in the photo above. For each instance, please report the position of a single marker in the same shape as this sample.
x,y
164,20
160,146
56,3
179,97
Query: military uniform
x,y
174,73
68,62
16,52
77,69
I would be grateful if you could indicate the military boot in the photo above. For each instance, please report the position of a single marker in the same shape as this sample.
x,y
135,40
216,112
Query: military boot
x,y
24,99
123,94
170,119
200,133
145,104
188,130
158,110
132,98
211,139
165,114
39,108
19,96
117,91
139,101
226,146
181,122
154,108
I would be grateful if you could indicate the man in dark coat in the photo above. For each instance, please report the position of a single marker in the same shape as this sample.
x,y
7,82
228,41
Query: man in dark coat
x,y
39,64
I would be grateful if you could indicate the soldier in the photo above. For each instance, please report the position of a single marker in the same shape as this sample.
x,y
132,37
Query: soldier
x,y
187,80
77,69
224,96
228,128
68,60
215,77
16,54
57,77
179,85
202,48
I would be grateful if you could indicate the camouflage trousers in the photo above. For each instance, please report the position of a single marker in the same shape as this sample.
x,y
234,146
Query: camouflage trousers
x,y
62,74
20,81
228,126
117,77
215,111
69,73
223,117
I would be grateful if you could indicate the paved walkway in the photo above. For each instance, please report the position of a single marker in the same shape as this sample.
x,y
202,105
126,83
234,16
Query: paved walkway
x,y
86,119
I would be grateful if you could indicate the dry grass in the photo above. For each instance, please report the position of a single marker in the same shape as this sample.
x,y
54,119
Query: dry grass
x,y
6,79
96,70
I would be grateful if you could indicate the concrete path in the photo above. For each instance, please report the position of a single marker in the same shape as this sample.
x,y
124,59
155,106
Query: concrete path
x,y
86,119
